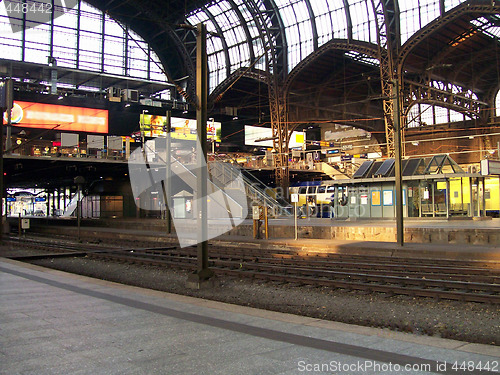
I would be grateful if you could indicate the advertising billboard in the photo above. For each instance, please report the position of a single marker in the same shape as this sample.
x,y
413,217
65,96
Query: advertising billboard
x,y
262,137
182,128
60,117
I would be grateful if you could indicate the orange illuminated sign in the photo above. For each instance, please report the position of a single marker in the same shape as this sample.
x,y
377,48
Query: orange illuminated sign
x,y
60,117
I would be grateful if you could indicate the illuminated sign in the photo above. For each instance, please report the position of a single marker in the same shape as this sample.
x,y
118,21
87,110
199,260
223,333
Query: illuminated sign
x,y
155,126
60,117
263,137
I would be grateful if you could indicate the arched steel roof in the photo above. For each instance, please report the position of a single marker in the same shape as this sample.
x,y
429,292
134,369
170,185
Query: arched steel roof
x,y
429,34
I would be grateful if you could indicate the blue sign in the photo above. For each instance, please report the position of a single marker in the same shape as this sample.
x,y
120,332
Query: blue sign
x,y
336,151
40,199
10,199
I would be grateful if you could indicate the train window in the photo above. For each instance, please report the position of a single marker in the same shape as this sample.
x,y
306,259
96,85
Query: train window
x,y
311,190
303,190
321,189
330,189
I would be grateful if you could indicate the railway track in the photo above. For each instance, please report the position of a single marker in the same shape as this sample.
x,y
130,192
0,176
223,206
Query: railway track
x,y
473,281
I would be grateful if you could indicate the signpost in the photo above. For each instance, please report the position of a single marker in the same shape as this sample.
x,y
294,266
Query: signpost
x,y
295,201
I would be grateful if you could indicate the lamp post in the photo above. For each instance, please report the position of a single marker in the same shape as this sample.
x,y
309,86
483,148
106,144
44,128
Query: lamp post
x,y
143,122
79,181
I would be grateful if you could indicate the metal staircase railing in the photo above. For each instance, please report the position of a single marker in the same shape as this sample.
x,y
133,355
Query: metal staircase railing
x,y
254,188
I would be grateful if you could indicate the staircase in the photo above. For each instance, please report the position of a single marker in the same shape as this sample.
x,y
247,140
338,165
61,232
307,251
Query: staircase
x,y
71,207
257,193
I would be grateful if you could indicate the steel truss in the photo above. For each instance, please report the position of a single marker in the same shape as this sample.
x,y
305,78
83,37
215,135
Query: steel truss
x,y
414,92
424,92
388,43
274,42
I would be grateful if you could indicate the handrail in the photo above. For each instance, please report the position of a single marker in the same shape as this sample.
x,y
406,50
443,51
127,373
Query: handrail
x,y
252,186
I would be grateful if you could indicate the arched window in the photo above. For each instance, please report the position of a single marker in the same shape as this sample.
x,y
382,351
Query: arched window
x,y
82,37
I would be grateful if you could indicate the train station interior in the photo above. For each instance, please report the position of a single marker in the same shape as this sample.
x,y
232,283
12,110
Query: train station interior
x,y
332,129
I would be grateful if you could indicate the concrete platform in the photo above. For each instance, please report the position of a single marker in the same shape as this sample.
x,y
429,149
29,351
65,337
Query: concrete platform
x,y
417,231
52,322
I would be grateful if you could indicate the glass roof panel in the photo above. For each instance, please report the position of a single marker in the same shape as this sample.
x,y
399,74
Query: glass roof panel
x,y
363,21
331,20
450,4
489,27
415,14
298,30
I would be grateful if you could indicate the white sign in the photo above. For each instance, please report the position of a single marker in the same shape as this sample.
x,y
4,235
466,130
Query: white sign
x,y
387,197
25,223
256,212
489,167
295,198
69,140
364,199
263,137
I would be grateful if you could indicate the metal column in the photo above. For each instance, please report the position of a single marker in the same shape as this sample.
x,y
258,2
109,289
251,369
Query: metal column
x,y
167,189
203,273
397,166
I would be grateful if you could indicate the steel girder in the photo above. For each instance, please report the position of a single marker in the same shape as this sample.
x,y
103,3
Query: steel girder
x,y
388,44
464,8
181,47
415,92
274,42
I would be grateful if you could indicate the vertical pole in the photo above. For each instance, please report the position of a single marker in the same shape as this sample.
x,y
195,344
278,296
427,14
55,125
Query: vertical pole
x,y
47,192
295,214
203,273
266,223
201,120
420,192
483,198
1,173
478,198
10,103
471,199
168,166
448,198
461,194
433,199
6,105
397,165
79,211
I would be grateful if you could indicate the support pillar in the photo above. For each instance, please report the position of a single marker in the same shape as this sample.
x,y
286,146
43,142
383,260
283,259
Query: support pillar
x,y
471,199
397,164
483,199
203,277
167,189
448,196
